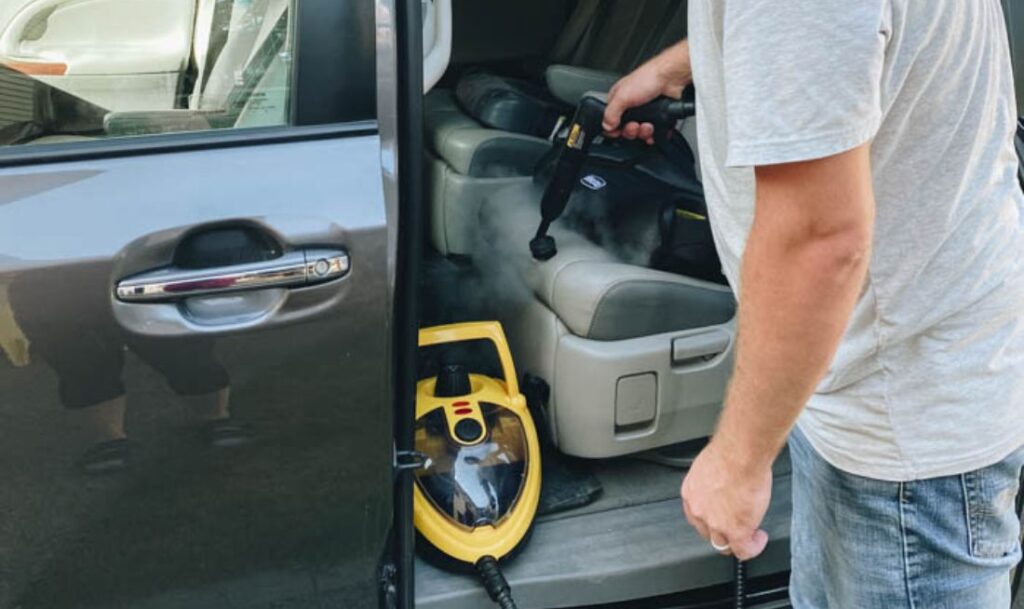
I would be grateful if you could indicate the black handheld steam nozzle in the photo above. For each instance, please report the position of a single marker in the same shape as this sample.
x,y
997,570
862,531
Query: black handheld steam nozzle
x,y
663,113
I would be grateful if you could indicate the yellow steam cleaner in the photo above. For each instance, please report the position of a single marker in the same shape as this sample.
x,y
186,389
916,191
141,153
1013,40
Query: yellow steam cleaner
x,y
476,495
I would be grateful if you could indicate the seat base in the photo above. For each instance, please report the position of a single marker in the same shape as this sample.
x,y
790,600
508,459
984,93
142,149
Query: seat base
x,y
622,397
636,358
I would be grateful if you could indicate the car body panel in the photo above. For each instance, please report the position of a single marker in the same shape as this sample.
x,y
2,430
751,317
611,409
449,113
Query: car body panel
x,y
295,508
311,490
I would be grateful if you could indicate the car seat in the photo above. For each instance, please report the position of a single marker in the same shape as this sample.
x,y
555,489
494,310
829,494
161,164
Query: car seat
x,y
468,157
635,358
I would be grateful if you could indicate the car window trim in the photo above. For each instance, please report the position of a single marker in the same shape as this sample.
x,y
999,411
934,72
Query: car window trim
x,y
14,156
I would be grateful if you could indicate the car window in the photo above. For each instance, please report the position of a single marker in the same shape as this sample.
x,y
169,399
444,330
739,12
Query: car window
x,y
74,70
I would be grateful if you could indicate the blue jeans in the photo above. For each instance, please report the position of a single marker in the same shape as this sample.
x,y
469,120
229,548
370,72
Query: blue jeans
x,y
859,543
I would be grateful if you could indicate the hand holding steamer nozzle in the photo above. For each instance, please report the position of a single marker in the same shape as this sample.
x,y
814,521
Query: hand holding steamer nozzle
x,y
663,113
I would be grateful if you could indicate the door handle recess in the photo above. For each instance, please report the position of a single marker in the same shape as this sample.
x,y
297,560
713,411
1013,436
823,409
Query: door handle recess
x,y
699,347
292,270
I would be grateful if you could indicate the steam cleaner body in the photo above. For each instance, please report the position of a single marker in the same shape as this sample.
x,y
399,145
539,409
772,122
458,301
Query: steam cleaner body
x,y
476,496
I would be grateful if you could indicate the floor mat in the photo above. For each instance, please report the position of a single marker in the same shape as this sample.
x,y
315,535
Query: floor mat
x,y
566,484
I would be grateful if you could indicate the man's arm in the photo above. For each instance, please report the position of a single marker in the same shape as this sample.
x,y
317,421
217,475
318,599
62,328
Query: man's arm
x,y
802,271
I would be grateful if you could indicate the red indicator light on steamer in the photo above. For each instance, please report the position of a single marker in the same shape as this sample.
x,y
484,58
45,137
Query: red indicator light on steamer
x,y
464,411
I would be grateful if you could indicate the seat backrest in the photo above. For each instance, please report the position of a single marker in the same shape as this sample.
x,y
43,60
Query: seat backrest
x,y
673,31
620,34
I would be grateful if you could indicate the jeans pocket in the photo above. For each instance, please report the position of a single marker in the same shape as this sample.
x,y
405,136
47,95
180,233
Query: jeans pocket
x,y
993,524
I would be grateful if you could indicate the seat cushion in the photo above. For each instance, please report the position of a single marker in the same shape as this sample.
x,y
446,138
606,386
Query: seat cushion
x,y
466,162
614,301
600,298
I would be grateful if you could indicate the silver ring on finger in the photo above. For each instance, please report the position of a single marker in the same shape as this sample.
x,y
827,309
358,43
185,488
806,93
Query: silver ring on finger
x,y
718,548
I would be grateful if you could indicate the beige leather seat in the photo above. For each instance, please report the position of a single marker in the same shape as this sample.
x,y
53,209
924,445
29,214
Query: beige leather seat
x,y
465,163
603,39
636,358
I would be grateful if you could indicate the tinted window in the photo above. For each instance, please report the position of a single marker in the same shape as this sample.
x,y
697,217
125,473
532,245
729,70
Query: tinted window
x,y
85,69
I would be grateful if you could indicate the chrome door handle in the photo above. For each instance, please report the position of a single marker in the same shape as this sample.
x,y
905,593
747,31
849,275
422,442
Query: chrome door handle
x,y
292,270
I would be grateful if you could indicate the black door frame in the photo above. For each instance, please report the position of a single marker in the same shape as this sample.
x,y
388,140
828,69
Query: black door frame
x,y
409,77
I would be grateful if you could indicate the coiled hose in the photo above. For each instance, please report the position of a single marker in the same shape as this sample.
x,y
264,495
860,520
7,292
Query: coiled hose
x,y
494,582
739,584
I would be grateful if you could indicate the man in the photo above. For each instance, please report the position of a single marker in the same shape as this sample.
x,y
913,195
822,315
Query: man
x,y
861,180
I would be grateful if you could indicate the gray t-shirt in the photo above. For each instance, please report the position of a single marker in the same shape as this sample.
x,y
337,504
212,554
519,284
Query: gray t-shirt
x,y
929,378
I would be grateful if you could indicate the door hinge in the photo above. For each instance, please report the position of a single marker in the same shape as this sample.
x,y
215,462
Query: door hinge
x,y
388,587
409,460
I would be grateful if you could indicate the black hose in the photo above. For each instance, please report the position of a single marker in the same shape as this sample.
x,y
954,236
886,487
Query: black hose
x,y
739,585
1017,572
494,582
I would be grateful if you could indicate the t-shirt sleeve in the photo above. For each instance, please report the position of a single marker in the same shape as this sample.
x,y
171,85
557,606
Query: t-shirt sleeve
x,y
802,77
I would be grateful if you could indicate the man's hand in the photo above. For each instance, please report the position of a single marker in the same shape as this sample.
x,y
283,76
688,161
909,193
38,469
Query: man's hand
x,y
726,501
667,74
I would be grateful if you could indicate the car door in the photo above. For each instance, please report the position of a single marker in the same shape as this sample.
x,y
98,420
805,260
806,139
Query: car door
x,y
194,328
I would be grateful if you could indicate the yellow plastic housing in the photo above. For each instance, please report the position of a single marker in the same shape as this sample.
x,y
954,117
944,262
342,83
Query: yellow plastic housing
x,y
463,543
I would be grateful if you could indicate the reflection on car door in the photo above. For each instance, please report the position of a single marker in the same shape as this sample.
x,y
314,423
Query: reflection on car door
x,y
194,346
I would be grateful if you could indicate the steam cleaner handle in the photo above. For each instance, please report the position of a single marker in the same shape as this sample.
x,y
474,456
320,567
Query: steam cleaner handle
x,y
584,128
662,112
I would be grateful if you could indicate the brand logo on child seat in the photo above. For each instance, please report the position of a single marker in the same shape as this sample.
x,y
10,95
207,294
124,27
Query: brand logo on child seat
x,y
593,182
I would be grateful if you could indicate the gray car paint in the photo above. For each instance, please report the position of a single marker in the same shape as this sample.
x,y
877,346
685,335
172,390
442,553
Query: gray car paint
x,y
295,518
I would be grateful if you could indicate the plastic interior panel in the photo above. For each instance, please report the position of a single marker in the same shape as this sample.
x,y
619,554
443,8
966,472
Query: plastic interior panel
x,y
586,375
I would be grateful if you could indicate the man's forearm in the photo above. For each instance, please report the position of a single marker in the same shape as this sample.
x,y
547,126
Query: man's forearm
x,y
800,280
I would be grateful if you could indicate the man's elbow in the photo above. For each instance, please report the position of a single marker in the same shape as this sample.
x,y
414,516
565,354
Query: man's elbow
x,y
849,249
840,252
823,210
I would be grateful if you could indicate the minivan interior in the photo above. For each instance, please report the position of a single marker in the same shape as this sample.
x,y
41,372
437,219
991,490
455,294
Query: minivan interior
x,y
624,363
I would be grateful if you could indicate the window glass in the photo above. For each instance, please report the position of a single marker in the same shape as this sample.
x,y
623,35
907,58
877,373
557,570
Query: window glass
x,y
87,69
